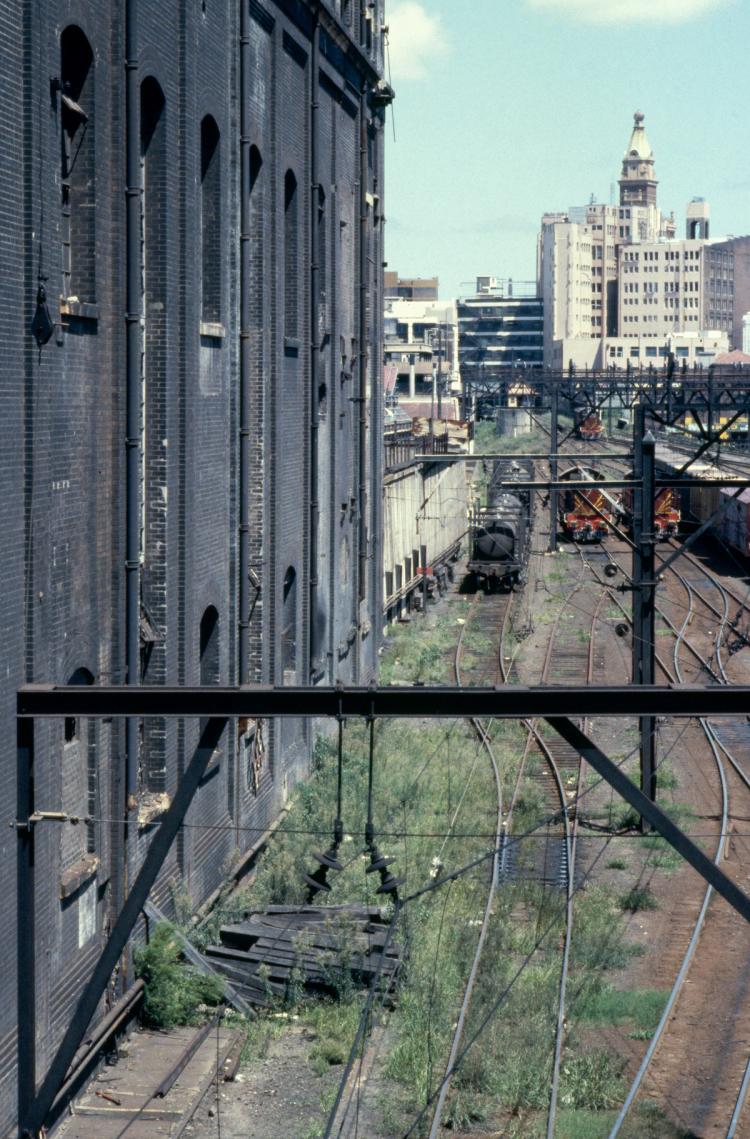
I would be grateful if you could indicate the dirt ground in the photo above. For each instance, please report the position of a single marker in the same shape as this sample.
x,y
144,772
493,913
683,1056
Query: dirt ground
x,y
276,1097
280,1096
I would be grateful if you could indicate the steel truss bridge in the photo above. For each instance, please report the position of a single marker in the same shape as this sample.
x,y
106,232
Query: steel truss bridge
x,y
668,393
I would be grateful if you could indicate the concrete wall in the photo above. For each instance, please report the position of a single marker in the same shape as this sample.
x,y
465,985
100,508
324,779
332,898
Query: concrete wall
x,y
422,506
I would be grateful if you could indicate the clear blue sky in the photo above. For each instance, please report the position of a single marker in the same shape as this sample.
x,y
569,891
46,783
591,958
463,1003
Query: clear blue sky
x,y
507,108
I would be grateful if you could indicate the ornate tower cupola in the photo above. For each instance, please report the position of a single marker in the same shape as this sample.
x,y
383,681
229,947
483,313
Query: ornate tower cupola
x,y
638,183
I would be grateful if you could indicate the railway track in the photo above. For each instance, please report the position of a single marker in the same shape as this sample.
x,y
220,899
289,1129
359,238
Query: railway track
x,y
499,617
710,972
708,635
549,764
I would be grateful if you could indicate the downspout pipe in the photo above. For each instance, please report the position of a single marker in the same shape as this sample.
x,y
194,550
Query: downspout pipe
x,y
315,338
362,338
133,393
244,395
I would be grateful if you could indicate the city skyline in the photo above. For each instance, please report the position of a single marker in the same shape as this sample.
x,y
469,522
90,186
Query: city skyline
x,y
476,136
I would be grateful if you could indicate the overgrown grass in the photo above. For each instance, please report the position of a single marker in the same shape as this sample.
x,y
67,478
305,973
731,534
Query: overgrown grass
x,y
640,1007
487,440
422,772
175,993
425,658
259,1035
638,898
646,1121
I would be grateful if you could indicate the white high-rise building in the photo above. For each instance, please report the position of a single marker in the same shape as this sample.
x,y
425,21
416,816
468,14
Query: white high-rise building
x,y
620,288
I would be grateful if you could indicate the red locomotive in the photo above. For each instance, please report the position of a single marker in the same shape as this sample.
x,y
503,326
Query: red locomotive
x,y
587,515
591,427
666,511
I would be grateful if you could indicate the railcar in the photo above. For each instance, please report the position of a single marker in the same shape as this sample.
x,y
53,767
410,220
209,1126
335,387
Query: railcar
x,y
591,427
587,515
734,523
667,513
499,532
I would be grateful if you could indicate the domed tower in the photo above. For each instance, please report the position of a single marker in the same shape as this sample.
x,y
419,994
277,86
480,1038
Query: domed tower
x,y
638,183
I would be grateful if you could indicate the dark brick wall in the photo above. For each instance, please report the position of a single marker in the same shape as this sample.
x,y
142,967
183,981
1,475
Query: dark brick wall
x,y
62,437
17,305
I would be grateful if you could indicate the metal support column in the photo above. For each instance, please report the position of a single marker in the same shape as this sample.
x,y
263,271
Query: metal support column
x,y
644,587
25,929
423,560
554,397
648,614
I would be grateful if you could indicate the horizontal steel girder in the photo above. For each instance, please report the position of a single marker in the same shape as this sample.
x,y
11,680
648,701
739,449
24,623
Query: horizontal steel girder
x,y
438,702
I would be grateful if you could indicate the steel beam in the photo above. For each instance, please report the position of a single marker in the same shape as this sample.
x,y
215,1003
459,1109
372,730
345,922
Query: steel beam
x,y
648,810
554,410
583,484
441,702
33,1110
644,586
25,924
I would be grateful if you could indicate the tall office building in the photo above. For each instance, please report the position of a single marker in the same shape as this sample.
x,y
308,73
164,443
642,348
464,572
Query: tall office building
x,y
610,274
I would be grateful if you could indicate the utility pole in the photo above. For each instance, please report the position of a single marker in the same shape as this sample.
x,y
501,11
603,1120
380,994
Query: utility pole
x,y
554,396
423,559
440,373
644,589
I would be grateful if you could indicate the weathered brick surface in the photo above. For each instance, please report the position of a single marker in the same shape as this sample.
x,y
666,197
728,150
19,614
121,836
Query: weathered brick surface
x,y
62,431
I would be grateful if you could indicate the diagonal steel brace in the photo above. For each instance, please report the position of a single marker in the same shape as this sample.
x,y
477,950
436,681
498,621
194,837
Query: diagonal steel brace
x,y
33,1110
661,822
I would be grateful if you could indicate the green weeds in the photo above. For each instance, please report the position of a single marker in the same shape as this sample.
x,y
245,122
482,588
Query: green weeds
x,y
176,993
637,899
641,1008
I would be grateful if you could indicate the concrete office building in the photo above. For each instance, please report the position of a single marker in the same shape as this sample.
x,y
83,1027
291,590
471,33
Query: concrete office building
x,y
578,254
619,286
420,336
499,327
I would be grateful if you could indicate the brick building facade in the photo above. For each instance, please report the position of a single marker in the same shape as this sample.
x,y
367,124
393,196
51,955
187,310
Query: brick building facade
x,y
191,462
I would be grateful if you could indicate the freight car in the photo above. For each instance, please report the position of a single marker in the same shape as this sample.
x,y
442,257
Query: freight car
x,y
591,427
699,501
499,532
732,526
587,515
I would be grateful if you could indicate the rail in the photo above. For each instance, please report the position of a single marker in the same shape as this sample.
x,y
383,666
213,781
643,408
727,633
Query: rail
x,y
485,740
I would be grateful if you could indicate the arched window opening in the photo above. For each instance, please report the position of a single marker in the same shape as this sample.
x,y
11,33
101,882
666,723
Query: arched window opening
x,y
211,260
256,163
289,625
78,166
291,256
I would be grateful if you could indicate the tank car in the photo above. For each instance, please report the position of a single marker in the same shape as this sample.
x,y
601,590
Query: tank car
x,y
591,427
587,515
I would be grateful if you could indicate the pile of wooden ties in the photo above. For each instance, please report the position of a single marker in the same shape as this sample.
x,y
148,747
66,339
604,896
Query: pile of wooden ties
x,y
285,950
